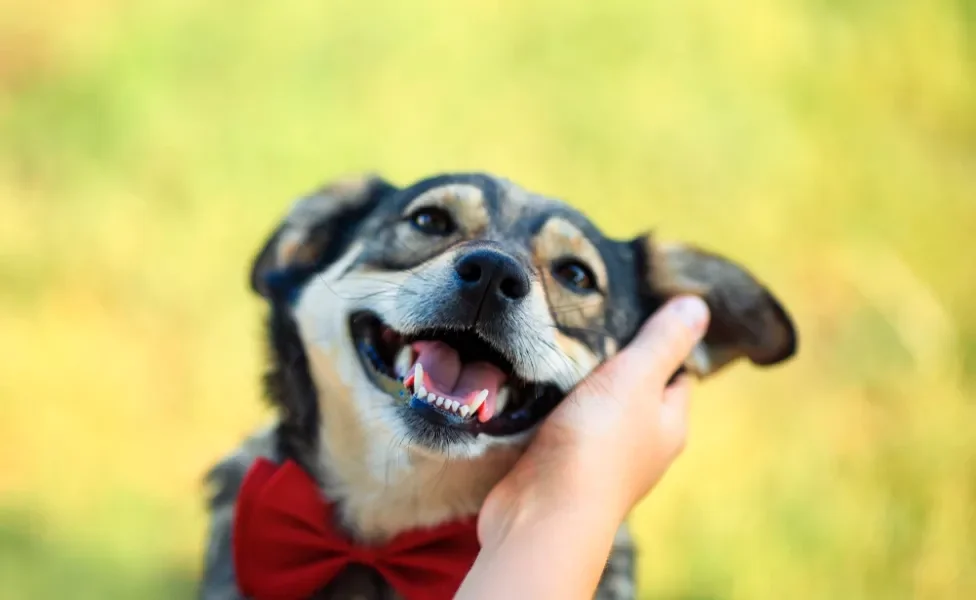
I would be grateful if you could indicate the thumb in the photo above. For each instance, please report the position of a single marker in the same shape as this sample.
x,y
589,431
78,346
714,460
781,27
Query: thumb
x,y
663,343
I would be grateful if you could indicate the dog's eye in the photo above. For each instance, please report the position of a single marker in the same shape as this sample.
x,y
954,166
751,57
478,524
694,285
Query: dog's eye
x,y
433,221
574,275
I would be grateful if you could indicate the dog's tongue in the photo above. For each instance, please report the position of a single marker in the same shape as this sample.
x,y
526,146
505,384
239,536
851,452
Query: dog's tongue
x,y
443,365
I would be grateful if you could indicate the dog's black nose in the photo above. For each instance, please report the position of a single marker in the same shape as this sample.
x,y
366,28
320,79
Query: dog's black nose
x,y
486,274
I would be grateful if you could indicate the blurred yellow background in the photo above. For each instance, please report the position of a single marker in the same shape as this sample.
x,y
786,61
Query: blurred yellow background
x,y
147,149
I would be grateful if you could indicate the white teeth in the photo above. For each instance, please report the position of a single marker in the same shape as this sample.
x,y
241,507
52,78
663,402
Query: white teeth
x,y
440,402
404,358
501,400
455,405
465,410
418,379
479,400
422,392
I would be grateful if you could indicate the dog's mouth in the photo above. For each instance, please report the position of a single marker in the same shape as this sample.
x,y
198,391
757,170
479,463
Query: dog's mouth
x,y
452,378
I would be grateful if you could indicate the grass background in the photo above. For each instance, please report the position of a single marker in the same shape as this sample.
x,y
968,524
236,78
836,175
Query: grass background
x,y
147,147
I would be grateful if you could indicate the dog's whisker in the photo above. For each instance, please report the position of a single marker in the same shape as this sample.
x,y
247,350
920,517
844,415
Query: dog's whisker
x,y
603,333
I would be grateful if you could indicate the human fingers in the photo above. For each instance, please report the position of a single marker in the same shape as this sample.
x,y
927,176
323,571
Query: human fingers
x,y
674,414
660,348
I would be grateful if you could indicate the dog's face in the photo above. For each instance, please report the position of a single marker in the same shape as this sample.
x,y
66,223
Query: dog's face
x,y
454,314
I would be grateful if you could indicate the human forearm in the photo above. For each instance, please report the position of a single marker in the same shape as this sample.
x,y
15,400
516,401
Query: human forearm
x,y
545,552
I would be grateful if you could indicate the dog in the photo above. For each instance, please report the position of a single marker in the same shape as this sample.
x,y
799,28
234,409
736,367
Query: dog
x,y
419,334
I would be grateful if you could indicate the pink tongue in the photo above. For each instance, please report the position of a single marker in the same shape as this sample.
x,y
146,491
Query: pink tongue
x,y
440,362
443,365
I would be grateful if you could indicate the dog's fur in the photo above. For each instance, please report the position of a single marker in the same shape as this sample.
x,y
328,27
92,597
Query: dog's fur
x,y
351,246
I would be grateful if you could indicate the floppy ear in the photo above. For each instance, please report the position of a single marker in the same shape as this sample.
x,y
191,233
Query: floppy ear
x,y
746,319
314,232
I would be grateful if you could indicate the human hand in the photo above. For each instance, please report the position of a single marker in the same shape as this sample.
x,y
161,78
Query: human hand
x,y
613,438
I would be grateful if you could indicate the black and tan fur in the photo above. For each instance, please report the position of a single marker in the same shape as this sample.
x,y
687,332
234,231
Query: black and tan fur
x,y
351,246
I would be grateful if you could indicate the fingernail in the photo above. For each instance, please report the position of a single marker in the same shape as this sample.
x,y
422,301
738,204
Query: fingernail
x,y
692,310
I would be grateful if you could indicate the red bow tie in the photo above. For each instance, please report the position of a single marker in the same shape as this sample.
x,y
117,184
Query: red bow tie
x,y
286,545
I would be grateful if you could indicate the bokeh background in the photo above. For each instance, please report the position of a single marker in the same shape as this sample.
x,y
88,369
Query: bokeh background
x,y
148,147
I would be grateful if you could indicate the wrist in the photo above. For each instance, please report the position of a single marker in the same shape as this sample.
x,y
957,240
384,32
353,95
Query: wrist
x,y
524,500
535,546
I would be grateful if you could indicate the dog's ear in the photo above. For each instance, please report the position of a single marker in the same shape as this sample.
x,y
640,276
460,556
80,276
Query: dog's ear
x,y
746,319
314,231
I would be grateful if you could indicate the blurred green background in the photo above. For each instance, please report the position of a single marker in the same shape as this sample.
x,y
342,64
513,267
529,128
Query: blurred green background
x,y
146,149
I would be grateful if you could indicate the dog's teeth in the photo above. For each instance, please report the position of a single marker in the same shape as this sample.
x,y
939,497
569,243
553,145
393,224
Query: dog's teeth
x,y
479,400
464,410
418,379
422,392
501,400
440,402
455,405
404,359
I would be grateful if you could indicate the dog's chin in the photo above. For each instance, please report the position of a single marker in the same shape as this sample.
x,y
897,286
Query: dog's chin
x,y
466,399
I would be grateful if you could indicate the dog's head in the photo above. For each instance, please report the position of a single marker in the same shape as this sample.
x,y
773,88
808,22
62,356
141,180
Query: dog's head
x,y
455,313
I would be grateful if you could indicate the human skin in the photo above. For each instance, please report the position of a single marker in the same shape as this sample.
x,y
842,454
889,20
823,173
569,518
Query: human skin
x,y
547,528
